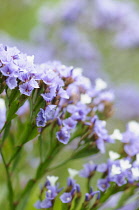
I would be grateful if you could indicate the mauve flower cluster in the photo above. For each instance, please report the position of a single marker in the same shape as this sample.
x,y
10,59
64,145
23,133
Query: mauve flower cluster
x,y
123,21
51,193
18,69
64,90
71,194
67,91
117,170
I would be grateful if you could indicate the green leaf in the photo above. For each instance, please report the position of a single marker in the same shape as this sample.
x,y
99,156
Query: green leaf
x,y
29,133
85,151
6,132
43,168
13,95
13,106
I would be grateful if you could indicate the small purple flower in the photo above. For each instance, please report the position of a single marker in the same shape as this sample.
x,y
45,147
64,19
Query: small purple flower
x,y
48,96
100,145
37,205
26,88
52,192
7,70
78,189
88,170
91,194
103,184
41,118
120,179
69,123
63,94
66,197
51,112
78,111
33,83
71,182
11,82
102,167
63,135
43,204
46,203
49,78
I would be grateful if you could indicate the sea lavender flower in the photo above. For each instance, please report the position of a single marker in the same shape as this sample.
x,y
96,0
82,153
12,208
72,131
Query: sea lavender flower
x,y
51,193
102,167
102,134
103,184
43,204
7,54
63,135
89,170
66,197
79,111
8,70
51,112
41,118
90,195
69,123
48,97
11,82
26,88
71,182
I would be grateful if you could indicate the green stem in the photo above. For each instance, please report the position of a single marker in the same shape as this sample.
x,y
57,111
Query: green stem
x,y
9,183
88,183
40,147
18,149
59,165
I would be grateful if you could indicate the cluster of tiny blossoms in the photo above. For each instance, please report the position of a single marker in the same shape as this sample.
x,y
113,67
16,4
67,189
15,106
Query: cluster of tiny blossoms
x,y
123,167
68,96
117,172
72,193
120,171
